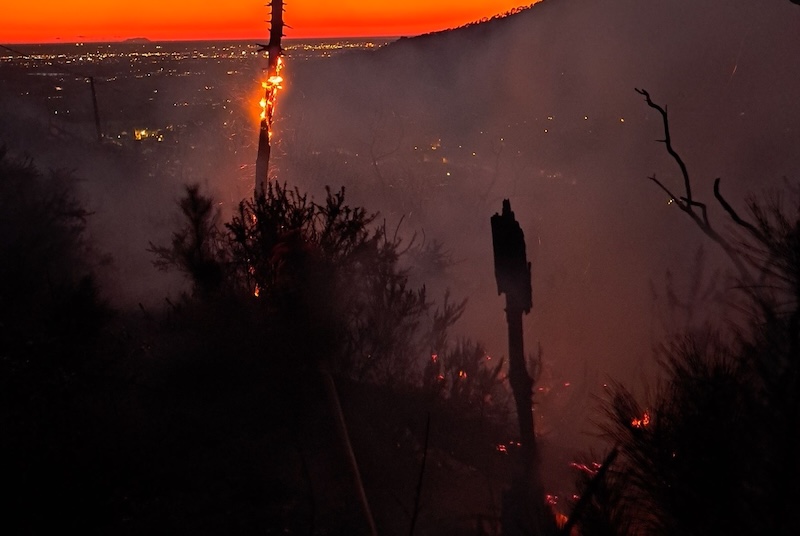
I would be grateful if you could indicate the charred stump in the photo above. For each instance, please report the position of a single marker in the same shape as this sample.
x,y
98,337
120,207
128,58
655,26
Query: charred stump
x,y
524,508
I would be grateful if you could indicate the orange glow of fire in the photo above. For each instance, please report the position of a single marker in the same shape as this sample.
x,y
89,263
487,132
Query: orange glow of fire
x,y
643,422
561,519
252,271
271,86
588,468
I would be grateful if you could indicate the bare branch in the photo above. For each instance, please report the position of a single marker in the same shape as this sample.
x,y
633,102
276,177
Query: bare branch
x,y
701,206
672,196
668,142
734,215
686,203
418,493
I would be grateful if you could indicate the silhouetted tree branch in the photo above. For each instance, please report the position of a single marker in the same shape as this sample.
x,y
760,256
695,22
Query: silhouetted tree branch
x,y
734,215
713,449
195,248
687,204
668,142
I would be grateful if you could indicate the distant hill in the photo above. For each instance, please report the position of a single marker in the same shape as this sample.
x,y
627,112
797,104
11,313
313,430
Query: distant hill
x,y
136,40
540,107
728,71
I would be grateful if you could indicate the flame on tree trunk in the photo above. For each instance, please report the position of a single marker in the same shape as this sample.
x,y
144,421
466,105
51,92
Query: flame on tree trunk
x,y
271,86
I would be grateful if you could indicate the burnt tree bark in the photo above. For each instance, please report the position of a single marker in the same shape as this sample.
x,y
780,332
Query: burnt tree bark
x,y
513,275
524,508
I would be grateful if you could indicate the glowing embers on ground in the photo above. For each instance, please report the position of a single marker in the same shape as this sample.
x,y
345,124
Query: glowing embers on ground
x,y
643,422
502,448
589,468
252,269
271,87
140,134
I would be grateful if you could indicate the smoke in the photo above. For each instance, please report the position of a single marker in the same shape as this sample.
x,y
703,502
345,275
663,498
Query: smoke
x,y
540,108
435,131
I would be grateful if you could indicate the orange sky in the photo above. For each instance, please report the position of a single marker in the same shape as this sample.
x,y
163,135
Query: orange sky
x,y
39,21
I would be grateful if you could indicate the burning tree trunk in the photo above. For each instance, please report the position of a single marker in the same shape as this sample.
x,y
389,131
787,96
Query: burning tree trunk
x,y
524,509
271,87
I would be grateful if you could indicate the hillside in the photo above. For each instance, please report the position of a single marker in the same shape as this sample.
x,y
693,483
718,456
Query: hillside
x,y
540,107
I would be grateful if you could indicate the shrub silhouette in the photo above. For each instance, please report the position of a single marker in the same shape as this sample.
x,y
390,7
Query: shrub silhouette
x,y
54,431
307,288
49,301
714,449
324,271
195,248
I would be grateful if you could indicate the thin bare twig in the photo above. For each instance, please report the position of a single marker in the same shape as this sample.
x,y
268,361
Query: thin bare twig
x,y
672,196
668,142
734,215
591,489
418,494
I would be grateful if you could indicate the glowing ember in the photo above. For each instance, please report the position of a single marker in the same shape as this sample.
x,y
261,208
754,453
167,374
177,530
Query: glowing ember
x,y
252,271
144,134
643,422
588,468
561,519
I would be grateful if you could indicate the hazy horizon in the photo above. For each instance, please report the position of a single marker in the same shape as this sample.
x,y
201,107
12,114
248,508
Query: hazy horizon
x,y
212,40
99,21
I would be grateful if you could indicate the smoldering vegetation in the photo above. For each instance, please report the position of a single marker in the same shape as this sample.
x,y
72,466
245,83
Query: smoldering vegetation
x,y
142,400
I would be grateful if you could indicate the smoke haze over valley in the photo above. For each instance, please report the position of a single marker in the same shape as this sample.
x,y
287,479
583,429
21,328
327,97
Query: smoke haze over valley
x,y
436,130
540,108
433,132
